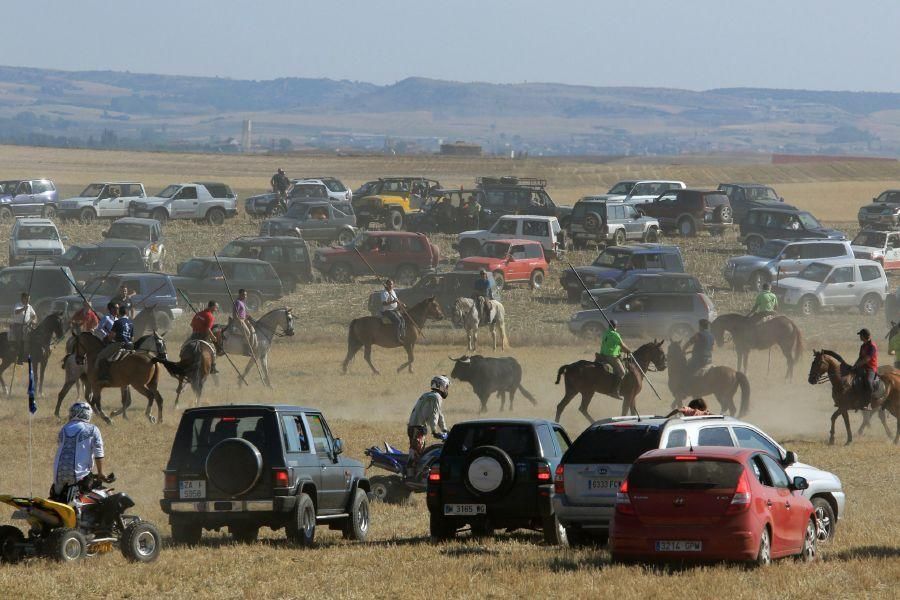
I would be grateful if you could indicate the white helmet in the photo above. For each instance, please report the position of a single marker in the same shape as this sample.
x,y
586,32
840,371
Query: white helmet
x,y
441,384
81,411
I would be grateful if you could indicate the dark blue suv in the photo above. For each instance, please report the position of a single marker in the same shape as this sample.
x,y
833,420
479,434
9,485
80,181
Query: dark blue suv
x,y
617,262
782,222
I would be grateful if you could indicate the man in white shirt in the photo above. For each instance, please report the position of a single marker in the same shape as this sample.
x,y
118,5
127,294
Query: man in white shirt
x,y
426,414
23,321
108,320
80,449
390,309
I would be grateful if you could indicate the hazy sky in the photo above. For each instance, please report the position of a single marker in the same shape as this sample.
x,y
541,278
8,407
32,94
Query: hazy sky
x,y
695,44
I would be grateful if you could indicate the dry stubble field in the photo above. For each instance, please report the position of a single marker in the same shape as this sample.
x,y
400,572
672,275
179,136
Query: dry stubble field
x,y
863,561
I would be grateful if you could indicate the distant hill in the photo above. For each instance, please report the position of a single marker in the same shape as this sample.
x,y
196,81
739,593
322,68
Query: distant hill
x,y
144,110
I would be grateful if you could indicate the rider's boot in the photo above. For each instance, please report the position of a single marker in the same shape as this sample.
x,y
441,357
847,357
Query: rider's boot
x,y
617,391
213,370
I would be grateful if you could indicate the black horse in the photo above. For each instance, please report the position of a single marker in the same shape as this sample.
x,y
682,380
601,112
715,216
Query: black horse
x,y
38,346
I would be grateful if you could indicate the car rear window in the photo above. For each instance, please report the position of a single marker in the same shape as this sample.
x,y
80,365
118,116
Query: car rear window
x,y
716,199
197,434
615,444
219,190
515,440
684,473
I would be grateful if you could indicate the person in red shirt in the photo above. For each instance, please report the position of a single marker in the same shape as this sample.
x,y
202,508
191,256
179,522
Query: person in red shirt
x,y
84,319
202,327
867,363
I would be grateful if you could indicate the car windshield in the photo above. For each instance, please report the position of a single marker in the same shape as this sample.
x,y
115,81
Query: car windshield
x,y
108,287
809,221
334,185
770,249
38,232
693,474
623,187
232,250
815,272
169,191
613,259
494,250
192,268
620,443
889,197
129,231
516,440
93,190
875,239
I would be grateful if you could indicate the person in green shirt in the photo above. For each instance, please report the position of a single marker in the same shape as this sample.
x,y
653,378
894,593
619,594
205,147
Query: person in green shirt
x,y
894,344
611,350
765,305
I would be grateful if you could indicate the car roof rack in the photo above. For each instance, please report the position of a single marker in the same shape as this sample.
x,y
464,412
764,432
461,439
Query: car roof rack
x,y
531,182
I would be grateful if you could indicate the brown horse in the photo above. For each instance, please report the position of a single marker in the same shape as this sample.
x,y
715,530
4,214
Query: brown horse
x,y
748,335
138,370
587,378
721,382
828,365
194,365
366,331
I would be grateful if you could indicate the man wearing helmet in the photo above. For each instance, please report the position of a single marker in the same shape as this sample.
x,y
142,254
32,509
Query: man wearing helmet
x,y
611,349
80,449
426,414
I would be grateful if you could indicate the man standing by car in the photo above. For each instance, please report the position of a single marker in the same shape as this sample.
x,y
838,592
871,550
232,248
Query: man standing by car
x,y
24,319
202,328
866,365
280,185
390,309
765,305
701,345
80,448
426,414
611,350
123,298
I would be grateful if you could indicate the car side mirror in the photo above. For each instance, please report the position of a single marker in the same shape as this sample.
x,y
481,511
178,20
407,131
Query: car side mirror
x,y
799,483
789,458
339,449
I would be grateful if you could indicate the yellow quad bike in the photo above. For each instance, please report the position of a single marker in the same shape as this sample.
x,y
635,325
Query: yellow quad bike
x,y
58,532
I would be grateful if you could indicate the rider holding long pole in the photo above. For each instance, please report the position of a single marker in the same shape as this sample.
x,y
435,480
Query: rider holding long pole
x,y
611,349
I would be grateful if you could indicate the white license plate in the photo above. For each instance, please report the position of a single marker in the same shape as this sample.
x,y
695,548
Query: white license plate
x,y
192,489
603,484
465,509
678,546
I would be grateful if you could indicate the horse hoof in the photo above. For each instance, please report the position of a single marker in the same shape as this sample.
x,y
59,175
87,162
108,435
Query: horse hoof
x,y
152,419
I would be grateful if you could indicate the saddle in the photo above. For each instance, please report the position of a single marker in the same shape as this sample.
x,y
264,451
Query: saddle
x,y
194,345
120,354
879,391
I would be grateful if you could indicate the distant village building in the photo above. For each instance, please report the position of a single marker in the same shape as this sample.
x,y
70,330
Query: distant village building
x,y
460,148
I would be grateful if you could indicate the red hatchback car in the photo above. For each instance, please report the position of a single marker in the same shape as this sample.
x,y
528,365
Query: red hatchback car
x,y
511,261
709,503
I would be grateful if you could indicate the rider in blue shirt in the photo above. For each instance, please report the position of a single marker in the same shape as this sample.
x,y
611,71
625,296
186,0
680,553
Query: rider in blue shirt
x,y
118,338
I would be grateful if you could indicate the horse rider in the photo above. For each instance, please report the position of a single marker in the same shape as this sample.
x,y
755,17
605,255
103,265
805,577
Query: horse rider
x,y
390,309
612,348
765,305
123,298
80,448
108,320
484,291
241,318
202,328
701,345
84,319
866,366
24,319
280,184
120,337
426,414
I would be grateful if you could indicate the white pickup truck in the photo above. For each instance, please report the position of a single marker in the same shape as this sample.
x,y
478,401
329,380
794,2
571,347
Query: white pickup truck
x,y
103,200
198,201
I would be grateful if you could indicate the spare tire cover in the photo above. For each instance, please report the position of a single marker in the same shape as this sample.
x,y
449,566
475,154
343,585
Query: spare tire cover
x,y
234,466
489,471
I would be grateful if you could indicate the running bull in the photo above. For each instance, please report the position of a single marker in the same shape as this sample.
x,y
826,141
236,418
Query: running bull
x,y
489,375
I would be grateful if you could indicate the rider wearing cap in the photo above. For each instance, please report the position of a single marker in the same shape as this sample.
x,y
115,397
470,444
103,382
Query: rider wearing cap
x,y
867,363
483,292
426,414
611,349
80,449
701,347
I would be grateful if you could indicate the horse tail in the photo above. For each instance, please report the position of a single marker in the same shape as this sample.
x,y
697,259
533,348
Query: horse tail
x,y
501,322
351,338
174,369
563,369
798,343
744,384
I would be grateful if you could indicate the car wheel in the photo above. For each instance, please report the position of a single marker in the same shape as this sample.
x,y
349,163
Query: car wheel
x,y
870,305
160,215
753,244
244,533
593,330
6,214
680,332
652,235
407,274
810,550
825,519
10,537
757,280
49,211
341,273
723,214
592,222
764,554
808,305
618,238
66,545
345,237
301,529
537,279
186,534
489,472
357,526
554,532
396,220
215,216
469,248
499,280
686,227
87,216
440,528
380,488
140,542
234,466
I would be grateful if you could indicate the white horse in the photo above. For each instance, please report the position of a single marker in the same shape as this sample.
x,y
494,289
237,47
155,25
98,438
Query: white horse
x,y
465,314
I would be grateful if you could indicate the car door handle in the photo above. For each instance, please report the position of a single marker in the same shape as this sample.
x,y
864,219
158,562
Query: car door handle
x,y
323,467
787,505
769,503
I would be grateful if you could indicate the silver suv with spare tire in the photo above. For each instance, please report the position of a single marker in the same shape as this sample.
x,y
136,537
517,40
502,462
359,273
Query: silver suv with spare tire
x,y
249,466
596,219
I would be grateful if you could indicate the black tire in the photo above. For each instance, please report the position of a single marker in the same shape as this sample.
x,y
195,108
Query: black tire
x,y
9,537
870,305
756,281
753,244
440,528
652,236
826,521
687,227
536,281
810,550
301,529
65,545
341,273
618,238
487,463
723,214
554,532
395,220
407,274
344,237
49,211
808,305
160,215
234,466
499,280
357,526
6,214
764,554
592,222
140,542
185,533
244,533
215,216
380,486
87,215
469,248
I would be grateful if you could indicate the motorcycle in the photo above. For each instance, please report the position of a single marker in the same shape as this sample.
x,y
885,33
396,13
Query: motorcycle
x,y
94,525
399,486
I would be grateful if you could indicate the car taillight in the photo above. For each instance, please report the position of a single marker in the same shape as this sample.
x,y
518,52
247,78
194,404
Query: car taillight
x,y
281,478
170,486
623,502
543,472
434,474
742,497
559,481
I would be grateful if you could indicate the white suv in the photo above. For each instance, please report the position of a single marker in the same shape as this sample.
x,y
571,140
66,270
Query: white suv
x,y
543,229
648,191
34,239
839,283
597,463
